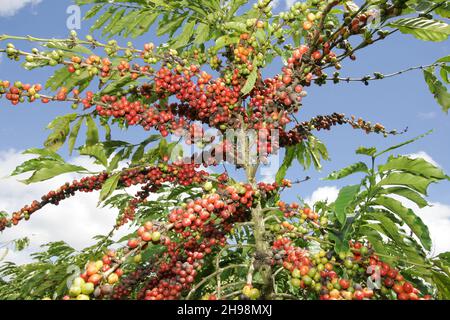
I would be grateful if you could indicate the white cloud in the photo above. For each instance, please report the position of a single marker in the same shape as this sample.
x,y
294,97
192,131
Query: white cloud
x,y
437,218
9,8
328,194
425,156
76,220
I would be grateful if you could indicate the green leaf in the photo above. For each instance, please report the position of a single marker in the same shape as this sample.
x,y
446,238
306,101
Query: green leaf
x,y
235,5
202,33
444,74
366,151
109,186
114,23
58,78
117,85
444,10
354,168
311,151
251,81
115,160
63,78
143,23
45,153
224,41
32,165
152,251
403,144
287,162
54,170
442,283
93,11
241,27
316,150
340,245
138,155
346,196
409,217
386,227
92,132
117,23
170,26
185,36
439,91
103,18
445,257
161,3
97,151
423,28
73,135
418,183
107,128
60,127
303,155
21,244
444,59
416,166
408,194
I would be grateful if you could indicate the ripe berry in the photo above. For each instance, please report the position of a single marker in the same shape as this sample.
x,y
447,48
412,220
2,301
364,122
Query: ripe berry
x,y
146,236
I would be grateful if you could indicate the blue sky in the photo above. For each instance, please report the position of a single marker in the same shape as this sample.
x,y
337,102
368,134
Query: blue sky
x,y
399,102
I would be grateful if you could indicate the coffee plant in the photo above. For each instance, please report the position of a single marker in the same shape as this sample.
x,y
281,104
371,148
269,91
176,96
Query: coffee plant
x,y
200,231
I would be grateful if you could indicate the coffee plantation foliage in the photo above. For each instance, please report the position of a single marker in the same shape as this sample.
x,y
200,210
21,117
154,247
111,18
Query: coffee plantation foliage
x,y
199,228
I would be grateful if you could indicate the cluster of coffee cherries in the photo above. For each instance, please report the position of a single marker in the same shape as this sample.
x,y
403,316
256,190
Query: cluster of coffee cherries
x,y
128,283
196,214
51,58
136,113
307,273
299,222
212,101
180,173
250,292
245,57
96,65
290,210
390,278
18,91
270,188
146,233
112,48
86,184
303,130
171,283
346,276
100,277
203,225
89,283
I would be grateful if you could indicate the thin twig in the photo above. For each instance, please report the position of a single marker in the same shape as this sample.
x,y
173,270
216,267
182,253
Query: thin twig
x,y
380,77
212,275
